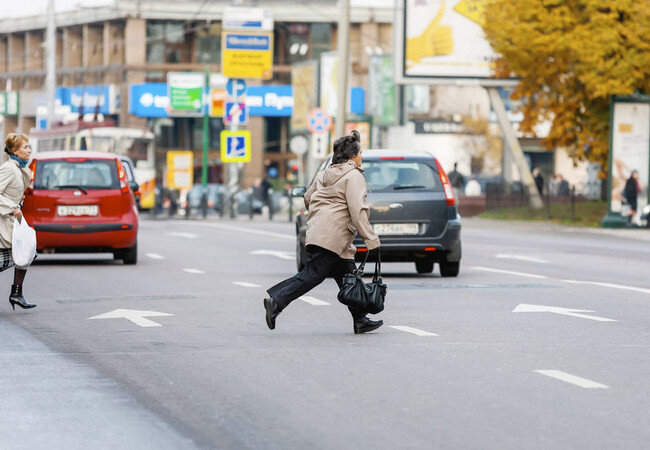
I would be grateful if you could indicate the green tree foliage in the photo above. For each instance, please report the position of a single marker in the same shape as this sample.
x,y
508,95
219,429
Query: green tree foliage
x,y
571,55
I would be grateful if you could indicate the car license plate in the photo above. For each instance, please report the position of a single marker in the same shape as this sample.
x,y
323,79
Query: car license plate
x,y
77,210
396,228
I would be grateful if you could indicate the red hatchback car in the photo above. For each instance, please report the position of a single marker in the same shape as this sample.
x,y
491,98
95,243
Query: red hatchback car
x,y
81,202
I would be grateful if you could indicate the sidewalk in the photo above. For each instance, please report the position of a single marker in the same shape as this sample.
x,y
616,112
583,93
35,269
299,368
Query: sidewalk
x,y
638,234
48,401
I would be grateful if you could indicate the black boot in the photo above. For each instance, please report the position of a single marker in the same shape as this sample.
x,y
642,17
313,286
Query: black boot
x,y
364,325
272,311
16,297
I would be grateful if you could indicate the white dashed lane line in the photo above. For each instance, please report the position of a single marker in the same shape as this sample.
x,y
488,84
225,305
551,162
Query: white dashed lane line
x,y
278,254
610,285
195,271
510,272
413,330
313,301
572,379
246,284
155,256
521,258
183,235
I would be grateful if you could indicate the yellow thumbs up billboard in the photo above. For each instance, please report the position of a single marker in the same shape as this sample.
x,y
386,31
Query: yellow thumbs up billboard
x,y
443,40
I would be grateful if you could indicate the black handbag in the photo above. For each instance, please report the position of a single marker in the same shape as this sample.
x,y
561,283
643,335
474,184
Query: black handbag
x,y
365,297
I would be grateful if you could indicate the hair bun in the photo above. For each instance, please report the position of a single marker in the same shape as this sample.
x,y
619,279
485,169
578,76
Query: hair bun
x,y
355,136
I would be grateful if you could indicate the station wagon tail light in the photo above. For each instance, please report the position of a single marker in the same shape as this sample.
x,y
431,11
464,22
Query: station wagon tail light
x,y
121,173
446,185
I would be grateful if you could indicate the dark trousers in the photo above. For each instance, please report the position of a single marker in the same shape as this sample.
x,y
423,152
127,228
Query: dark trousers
x,y
321,264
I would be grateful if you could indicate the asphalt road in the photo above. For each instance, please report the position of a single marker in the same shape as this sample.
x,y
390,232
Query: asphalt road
x,y
478,361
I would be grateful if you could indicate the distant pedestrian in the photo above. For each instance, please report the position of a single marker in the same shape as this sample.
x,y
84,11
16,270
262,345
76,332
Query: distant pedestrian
x,y
554,184
631,193
267,194
456,179
563,190
539,180
15,177
336,202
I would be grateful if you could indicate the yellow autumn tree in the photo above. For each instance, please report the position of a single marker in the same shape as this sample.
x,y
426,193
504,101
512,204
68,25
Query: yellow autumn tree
x,y
571,55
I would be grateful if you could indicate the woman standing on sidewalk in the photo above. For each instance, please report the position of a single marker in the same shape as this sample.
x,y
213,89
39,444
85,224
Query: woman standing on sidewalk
x,y
337,206
15,177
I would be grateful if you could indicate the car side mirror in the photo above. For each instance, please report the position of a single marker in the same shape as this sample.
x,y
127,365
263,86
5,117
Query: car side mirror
x,y
298,191
135,187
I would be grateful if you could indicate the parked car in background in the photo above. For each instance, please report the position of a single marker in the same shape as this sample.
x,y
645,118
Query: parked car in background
x,y
412,209
193,199
81,202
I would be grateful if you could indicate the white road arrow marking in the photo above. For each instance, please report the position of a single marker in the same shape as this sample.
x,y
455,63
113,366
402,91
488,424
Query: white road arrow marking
x,y
313,301
155,256
521,258
134,315
277,254
559,310
246,284
567,377
413,331
184,235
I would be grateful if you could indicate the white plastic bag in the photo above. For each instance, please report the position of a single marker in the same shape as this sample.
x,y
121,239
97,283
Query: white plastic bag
x,y
23,244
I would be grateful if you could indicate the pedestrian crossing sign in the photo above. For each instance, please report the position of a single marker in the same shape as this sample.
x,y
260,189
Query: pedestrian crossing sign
x,y
235,146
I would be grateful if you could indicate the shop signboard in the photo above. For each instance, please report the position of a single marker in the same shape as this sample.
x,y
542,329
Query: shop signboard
x,y
246,54
185,91
304,79
251,19
180,169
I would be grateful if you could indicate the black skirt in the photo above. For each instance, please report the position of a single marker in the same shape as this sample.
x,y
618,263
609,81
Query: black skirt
x,y
6,260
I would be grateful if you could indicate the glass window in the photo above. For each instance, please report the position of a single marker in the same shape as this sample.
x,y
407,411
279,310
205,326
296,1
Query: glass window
x,y
88,174
166,42
208,44
321,39
390,176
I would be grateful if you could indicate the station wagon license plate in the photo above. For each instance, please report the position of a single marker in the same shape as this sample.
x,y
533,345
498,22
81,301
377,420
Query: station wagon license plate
x,y
396,228
77,210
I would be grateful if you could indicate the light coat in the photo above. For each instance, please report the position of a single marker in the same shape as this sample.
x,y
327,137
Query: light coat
x,y
13,182
337,206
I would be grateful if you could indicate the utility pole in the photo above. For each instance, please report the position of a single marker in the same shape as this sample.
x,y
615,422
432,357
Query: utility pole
x,y
50,78
343,47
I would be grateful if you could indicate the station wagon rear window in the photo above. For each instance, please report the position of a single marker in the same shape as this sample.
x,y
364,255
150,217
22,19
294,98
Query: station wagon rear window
x,y
398,175
76,173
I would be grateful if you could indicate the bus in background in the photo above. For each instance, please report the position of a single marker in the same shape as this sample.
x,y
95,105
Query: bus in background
x,y
105,137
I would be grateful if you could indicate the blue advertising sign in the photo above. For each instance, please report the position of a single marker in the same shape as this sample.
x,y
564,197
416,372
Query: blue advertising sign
x,y
150,100
236,87
89,96
247,42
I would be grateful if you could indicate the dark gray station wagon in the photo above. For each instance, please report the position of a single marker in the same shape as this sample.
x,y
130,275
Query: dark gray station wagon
x,y
412,209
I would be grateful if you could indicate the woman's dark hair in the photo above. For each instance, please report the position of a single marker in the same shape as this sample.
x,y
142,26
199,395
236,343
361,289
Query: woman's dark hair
x,y
346,147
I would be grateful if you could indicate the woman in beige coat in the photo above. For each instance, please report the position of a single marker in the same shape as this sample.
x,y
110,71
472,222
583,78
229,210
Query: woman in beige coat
x,y
337,206
15,177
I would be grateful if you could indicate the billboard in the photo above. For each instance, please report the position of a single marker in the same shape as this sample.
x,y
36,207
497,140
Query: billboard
x,y
442,42
383,95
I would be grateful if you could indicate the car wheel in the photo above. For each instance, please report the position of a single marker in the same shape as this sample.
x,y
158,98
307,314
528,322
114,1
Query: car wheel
x,y
424,266
449,268
130,255
300,255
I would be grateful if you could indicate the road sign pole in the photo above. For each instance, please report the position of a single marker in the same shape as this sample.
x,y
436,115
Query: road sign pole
x,y
206,147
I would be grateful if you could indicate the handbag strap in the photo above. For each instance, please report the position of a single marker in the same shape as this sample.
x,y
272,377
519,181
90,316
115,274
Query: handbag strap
x,y
377,274
363,264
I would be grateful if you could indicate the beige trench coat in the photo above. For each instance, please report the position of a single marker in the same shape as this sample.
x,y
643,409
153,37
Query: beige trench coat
x,y
337,206
13,182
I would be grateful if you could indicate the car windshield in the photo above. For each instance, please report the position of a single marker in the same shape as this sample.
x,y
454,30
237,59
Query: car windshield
x,y
82,173
399,175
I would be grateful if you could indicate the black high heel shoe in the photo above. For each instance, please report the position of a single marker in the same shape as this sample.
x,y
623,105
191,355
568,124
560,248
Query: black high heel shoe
x,y
16,298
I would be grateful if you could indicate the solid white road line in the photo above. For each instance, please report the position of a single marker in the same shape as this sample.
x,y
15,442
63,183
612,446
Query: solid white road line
x,y
567,377
278,254
246,284
183,235
413,330
313,301
155,256
610,285
190,270
247,230
510,272
521,258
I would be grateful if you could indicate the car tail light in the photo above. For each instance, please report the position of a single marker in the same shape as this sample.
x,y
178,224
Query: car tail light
x,y
32,168
446,185
121,173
